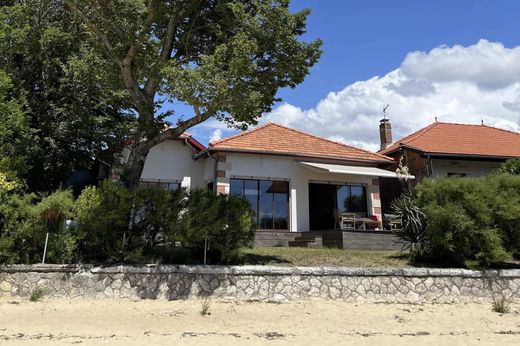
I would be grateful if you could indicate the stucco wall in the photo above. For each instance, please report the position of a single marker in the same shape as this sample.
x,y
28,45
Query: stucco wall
x,y
172,161
404,285
441,167
238,165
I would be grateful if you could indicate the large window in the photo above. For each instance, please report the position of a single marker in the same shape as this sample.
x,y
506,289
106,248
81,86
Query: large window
x,y
351,199
269,200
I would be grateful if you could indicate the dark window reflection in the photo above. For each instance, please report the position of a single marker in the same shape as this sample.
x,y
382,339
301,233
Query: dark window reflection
x,y
269,200
351,199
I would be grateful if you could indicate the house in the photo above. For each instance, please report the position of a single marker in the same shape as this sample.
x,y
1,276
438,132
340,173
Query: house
x,y
445,150
294,180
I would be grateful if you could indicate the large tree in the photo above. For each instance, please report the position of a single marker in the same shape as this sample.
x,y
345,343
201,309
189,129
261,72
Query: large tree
x,y
225,58
69,107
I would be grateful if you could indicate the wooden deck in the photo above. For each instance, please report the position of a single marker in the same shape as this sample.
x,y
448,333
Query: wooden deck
x,y
353,239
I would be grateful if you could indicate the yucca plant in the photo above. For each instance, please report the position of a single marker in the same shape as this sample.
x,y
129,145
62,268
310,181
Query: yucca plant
x,y
413,230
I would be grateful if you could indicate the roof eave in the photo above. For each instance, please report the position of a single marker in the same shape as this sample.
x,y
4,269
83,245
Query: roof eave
x,y
341,158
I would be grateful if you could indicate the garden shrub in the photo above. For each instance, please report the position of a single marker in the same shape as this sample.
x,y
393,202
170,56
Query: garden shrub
x,y
24,222
225,222
511,167
114,224
461,216
103,216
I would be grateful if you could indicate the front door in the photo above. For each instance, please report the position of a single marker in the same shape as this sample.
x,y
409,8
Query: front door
x,y
322,202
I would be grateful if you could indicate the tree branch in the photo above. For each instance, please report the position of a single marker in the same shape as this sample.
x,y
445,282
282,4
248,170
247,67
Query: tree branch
x,y
101,36
167,46
136,45
179,130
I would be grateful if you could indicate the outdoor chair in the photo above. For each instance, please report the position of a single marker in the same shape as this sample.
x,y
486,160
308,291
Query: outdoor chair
x,y
347,221
395,223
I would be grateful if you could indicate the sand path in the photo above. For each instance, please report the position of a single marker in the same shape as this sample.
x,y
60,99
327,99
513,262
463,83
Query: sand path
x,y
126,322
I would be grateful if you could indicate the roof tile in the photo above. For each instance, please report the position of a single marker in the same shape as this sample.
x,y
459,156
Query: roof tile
x,y
273,138
461,139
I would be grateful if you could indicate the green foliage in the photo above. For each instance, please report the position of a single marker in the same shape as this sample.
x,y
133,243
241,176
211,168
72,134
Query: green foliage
x,y
103,215
413,231
115,224
463,226
24,222
511,166
22,234
15,137
36,295
226,59
61,113
224,222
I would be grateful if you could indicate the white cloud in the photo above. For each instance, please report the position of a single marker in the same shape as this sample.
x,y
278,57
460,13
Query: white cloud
x,y
454,84
216,135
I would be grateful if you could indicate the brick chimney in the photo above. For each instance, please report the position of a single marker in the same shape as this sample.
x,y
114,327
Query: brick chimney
x,y
385,133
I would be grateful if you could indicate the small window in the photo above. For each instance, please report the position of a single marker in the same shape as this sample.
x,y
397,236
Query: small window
x,y
460,175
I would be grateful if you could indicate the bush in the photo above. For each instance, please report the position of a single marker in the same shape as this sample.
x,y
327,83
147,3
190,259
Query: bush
x,y
116,224
103,215
511,167
22,236
225,222
462,224
25,220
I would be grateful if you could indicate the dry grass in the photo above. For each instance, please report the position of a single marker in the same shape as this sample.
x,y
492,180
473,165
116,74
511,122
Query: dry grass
x,y
293,256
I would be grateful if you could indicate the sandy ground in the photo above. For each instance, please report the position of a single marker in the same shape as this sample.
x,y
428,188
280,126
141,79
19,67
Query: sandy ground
x,y
127,322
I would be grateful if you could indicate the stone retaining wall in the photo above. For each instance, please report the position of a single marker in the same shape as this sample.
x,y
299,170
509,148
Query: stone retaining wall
x,y
404,285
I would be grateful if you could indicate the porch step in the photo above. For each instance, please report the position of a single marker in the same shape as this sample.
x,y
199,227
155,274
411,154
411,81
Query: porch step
x,y
306,240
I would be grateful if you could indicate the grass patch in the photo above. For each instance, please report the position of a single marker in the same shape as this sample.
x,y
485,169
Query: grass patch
x,y
294,256
501,305
36,295
205,305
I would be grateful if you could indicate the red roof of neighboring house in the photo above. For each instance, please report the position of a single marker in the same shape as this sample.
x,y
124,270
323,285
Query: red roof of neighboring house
x,y
194,143
461,139
273,138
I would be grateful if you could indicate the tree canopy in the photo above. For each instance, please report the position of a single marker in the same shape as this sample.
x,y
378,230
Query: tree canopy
x,y
225,58
61,113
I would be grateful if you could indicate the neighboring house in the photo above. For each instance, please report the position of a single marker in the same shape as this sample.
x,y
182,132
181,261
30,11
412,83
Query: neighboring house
x,y
175,163
293,180
446,150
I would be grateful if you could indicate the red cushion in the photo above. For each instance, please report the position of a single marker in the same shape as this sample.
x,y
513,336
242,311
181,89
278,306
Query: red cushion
x,y
374,217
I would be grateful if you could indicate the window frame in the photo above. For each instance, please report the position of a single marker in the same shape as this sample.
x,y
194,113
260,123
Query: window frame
x,y
258,181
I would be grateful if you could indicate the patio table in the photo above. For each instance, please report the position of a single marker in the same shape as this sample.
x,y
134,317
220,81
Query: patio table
x,y
364,221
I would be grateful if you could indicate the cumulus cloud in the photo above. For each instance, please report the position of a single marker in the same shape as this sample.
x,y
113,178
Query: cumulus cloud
x,y
216,135
453,84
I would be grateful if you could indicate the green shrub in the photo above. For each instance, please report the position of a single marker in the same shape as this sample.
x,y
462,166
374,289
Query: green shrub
x,y
36,295
511,167
461,220
505,209
24,222
22,236
224,222
103,215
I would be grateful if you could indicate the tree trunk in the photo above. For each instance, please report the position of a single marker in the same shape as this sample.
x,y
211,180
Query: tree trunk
x,y
135,165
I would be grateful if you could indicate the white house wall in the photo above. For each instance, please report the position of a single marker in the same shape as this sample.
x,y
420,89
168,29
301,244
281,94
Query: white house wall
x,y
237,165
171,161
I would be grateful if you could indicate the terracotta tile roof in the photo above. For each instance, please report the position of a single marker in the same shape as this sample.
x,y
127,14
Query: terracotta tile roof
x,y
273,138
461,139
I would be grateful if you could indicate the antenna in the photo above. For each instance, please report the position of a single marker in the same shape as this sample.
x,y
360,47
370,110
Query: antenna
x,y
384,111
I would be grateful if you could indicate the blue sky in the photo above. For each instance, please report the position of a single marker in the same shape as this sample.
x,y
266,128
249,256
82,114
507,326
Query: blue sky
x,y
364,39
